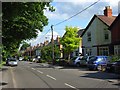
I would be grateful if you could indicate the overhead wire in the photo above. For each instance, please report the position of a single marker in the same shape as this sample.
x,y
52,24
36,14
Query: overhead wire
x,y
71,17
76,14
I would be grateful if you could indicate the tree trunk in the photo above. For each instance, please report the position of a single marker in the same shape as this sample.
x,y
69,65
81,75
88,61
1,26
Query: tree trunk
x,y
68,56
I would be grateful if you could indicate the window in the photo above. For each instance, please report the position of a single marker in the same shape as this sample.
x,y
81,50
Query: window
x,y
89,51
117,49
104,51
106,35
89,36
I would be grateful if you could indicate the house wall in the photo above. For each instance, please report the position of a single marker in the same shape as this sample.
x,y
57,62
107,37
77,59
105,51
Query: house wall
x,y
101,29
116,32
97,29
80,46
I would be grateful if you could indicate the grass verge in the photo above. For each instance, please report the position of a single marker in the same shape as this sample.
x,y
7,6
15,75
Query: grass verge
x,y
1,64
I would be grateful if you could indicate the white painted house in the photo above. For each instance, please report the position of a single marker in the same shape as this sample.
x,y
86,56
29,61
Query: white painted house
x,y
96,38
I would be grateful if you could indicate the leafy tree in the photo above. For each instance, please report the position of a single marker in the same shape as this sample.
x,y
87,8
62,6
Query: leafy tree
x,y
70,40
46,52
21,21
24,45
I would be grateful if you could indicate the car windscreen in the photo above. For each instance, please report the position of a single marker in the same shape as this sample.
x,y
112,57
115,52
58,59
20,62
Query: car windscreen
x,y
93,58
13,60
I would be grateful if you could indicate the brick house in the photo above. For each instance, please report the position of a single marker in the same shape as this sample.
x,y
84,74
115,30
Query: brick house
x,y
96,38
115,35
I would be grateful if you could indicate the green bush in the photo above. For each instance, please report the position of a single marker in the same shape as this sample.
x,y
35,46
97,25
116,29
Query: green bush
x,y
115,58
43,61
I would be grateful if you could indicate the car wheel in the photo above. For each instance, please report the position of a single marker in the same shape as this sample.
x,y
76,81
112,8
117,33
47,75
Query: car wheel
x,y
78,64
101,68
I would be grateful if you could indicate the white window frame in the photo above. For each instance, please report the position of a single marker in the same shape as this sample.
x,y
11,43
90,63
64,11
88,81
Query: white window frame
x,y
104,51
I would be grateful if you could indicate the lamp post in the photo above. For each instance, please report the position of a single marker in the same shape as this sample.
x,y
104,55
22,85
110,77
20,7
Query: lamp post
x,y
52,40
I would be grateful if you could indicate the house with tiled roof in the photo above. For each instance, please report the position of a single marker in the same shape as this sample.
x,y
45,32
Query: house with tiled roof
x,y
115,36
96,38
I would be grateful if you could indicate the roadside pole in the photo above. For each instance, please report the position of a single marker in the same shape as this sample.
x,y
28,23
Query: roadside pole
x,y
52,40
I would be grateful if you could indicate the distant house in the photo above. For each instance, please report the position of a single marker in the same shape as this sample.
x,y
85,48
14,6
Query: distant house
x,y
59,45
115,34
96,38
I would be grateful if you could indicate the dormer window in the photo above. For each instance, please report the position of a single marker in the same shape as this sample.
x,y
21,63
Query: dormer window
x,y
89,36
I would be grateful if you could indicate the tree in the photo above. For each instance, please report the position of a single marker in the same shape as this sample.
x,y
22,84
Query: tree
x,y
70,40
21,21
46,52
24,45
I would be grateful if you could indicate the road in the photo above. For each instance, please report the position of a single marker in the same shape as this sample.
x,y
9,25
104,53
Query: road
x,y
35,75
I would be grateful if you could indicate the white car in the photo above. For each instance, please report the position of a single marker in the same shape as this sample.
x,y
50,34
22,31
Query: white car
x,y
82,60
21,58
13,62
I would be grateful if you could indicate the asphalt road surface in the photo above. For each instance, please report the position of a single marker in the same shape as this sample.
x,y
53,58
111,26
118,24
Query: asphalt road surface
x,y
35,75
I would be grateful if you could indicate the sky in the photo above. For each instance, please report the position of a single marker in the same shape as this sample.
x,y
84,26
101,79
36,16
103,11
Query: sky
x,y
67,8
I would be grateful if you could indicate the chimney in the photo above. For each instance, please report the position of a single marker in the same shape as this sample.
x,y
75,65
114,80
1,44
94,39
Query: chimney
x,y
108,11
58,39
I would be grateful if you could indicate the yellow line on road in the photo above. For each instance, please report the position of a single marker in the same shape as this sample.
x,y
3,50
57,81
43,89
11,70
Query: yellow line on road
x,y
13,78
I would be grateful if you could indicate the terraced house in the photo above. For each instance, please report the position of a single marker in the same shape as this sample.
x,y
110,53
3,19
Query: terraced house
x,y
96,38
115,35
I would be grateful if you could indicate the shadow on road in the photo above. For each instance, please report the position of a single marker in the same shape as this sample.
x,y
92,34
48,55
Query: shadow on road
x,y
3,83
4,69
42,66
101,75
112,78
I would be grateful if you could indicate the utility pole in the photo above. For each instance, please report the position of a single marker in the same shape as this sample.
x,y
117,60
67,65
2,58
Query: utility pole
x,y
52,40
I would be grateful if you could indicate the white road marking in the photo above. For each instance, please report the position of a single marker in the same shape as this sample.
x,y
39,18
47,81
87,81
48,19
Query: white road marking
x,y
71,86
40,72
32,68
51,77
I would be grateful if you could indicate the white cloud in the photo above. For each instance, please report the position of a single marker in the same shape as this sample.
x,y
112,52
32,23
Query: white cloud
x,y
68,8
56,15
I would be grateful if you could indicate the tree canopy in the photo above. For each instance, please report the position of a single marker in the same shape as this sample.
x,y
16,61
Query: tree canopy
x,y
46,52
70,40
24,45
21,21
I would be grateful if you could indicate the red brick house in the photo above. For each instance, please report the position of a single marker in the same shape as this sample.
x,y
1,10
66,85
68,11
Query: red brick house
x,y
115,35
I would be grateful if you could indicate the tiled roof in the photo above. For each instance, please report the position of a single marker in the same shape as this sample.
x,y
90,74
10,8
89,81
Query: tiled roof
x,y
117,18
80,32
106,20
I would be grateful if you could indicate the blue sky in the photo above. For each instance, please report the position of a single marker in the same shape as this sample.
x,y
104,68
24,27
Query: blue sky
x,y
67,8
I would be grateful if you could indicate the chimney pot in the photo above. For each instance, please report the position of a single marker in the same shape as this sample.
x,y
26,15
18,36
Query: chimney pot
x,y
108,11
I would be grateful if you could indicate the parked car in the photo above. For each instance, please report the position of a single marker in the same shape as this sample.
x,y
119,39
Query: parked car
x,y
7,60
98,63
12,62
36,59
82,60
21,58
113,67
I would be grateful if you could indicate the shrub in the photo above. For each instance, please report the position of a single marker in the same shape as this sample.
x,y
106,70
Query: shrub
x,y
115,58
